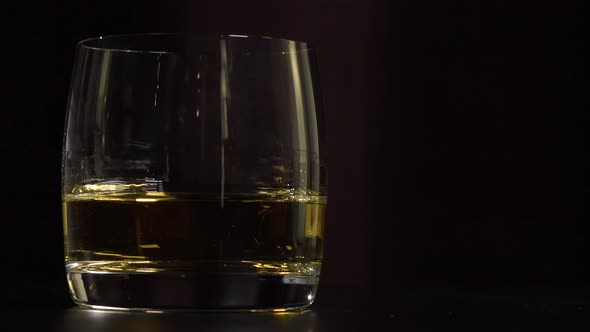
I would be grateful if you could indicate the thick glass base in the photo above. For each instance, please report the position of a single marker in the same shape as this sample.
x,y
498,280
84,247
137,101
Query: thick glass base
x,y
158,287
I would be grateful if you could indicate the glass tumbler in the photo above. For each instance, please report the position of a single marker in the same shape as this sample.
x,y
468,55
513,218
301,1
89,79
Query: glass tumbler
x,y
194,173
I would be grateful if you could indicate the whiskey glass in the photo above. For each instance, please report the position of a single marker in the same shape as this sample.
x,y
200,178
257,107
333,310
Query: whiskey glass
x,y
194,173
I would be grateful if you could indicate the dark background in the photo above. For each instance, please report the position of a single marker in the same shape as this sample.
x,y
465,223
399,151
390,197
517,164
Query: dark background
x,y
456,135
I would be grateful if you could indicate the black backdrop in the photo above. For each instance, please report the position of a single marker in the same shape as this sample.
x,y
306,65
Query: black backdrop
x,y
455,131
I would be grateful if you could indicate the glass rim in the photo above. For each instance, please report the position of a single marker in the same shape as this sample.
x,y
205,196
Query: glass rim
x,y
87,43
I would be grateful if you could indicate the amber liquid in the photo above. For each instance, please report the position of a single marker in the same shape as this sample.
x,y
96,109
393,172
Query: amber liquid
x,y
193,245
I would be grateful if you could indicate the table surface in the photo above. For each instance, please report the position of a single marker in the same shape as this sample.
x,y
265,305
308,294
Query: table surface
x,y
335,309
